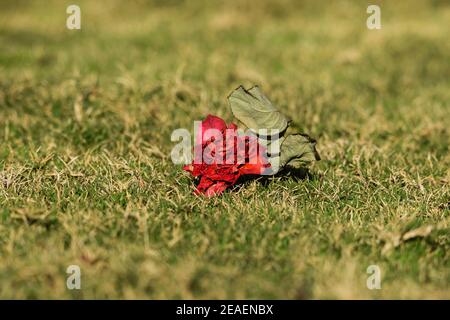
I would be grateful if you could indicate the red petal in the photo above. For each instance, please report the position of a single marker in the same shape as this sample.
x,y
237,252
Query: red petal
x,y
232,126
251,169
204,184
257,161
213,122
216,189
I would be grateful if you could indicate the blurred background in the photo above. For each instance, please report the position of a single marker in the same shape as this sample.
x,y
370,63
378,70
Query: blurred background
x,y
195,52
188,45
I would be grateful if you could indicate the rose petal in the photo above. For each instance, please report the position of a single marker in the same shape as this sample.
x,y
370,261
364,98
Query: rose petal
x,y
247,157
213,122
216,189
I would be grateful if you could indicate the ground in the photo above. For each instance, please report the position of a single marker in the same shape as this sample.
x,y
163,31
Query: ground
x,y
87,179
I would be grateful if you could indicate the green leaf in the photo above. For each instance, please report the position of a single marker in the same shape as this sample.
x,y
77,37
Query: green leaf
x,y
255,111
298,149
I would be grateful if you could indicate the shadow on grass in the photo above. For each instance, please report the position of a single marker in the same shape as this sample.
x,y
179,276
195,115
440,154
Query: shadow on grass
x,y
287,174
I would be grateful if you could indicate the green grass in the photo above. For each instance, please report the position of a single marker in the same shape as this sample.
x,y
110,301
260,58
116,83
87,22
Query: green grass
x,y
85,124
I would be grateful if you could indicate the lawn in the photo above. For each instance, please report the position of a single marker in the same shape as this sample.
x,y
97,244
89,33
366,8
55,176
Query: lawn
x,y
86,176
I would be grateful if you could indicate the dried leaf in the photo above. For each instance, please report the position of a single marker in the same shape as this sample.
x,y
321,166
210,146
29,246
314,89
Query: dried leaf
x,y
255,111
298,149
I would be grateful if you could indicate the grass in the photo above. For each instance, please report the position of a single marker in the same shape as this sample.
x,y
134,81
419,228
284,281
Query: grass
x,y
86,176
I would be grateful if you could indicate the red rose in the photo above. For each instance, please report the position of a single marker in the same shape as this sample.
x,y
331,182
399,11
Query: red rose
x,y
221,156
